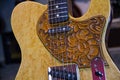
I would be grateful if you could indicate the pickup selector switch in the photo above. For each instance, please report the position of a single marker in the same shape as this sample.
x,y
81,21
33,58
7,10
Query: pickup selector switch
x,y
99,74
97,66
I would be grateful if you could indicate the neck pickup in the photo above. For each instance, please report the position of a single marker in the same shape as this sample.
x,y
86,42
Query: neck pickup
x,y
58,11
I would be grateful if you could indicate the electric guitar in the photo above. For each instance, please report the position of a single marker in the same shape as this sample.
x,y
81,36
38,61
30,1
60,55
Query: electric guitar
x,y
57,46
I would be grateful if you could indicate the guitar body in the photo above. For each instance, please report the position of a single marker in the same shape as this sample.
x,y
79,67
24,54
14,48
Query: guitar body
x,y
36,58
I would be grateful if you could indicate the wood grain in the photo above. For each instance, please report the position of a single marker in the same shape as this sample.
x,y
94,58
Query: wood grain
x,y
35,57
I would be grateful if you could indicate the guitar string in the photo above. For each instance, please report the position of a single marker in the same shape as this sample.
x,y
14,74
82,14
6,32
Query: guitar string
x,y
57,19
56,33
65,47
65,40
59,25
67,53
52,38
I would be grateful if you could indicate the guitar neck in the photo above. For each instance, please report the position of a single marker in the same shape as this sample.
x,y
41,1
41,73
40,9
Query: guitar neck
x,y
58,11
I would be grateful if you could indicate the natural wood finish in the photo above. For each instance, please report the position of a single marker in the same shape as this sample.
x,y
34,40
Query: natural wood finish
x,y
79,45
35,57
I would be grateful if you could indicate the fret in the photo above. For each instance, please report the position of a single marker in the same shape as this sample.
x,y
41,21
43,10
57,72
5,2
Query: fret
x,y
57,16
56,1
58,13
57,9
57,4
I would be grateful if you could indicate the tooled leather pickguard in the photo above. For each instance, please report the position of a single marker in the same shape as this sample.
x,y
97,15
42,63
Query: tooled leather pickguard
x,y
79,45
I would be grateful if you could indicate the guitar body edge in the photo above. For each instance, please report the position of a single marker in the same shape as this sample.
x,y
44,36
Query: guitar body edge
x,y
35,57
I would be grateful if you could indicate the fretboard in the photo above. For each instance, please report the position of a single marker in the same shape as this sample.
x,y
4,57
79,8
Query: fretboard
x,y
58,11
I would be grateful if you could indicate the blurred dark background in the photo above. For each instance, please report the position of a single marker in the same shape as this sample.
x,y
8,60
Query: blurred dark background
x,y
10,54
